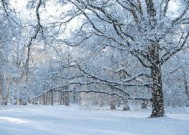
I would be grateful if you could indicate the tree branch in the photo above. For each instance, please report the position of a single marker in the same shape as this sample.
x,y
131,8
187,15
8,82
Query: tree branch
x,y
168,55
181,15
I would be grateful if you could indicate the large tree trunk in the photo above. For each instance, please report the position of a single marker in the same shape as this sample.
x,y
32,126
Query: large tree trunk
x,y
157,89
157,92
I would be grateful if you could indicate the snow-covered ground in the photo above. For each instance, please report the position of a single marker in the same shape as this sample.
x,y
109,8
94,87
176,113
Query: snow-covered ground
x,y
61,120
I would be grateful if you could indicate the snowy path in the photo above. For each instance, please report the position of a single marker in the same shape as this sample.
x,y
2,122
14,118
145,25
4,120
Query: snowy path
x,y
60,120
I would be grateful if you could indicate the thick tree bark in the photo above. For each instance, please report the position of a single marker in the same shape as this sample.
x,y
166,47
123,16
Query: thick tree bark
x,y
157,93
157,89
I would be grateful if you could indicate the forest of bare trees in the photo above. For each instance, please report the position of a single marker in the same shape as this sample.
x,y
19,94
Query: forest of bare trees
x,y
96,52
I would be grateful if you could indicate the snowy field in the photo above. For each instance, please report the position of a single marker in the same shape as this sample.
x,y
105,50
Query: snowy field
x,y
61,120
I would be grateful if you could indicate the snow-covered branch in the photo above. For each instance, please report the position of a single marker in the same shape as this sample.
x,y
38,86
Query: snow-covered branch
x,y
171,53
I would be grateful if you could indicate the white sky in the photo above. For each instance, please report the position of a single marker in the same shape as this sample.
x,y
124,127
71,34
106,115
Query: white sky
x,y
20,5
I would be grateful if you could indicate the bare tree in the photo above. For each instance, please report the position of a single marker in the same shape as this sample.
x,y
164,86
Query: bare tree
x,y
145,28
9,22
